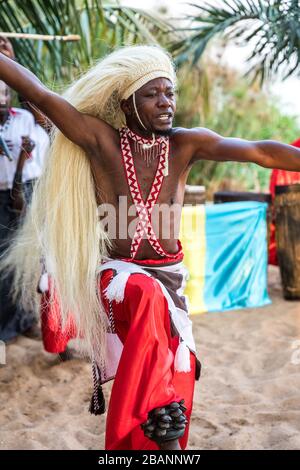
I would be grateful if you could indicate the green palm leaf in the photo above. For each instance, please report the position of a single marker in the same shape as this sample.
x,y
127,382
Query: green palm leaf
x,y
102,26
271,27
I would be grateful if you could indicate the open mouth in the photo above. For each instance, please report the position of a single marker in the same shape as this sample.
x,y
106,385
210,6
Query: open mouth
x,y
166,117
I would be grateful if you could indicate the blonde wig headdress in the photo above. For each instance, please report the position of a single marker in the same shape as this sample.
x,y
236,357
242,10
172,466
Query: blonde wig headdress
x,y
61,226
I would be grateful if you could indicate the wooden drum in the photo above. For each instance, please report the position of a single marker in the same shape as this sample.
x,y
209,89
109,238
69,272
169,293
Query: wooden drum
x,y
287,220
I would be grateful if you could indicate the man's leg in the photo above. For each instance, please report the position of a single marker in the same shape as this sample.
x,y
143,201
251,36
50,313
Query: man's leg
x,y
145,378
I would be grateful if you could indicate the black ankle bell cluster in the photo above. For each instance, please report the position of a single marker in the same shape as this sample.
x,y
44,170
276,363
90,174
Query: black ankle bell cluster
x,y
166,423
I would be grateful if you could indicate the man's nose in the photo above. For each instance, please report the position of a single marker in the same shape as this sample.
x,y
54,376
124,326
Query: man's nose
x,y
163,101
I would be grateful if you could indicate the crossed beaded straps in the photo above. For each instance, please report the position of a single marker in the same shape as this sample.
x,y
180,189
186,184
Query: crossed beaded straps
x,y
144,209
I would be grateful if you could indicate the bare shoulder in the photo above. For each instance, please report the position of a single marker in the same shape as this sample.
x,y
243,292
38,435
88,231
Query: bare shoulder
x,y
194,141
102,130
103,133
193,134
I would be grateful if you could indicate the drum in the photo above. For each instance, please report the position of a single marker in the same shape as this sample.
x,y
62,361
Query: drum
x,y
234,196
287,232
194,195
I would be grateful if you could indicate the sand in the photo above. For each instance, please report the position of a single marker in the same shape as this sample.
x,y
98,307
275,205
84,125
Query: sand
x,y
247,398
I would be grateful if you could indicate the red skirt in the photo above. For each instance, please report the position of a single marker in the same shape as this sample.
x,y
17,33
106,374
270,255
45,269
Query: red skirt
x,y
145,378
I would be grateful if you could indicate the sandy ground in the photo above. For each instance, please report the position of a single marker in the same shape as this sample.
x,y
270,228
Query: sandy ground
x,y
248,396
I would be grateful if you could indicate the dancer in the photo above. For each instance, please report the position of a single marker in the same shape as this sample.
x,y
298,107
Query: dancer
x,y
114,270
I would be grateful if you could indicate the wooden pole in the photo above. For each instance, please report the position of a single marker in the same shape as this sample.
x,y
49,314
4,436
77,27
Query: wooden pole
x,y
41,37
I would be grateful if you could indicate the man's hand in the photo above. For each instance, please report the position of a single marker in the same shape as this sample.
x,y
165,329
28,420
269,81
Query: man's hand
x,y
27,145
6,48
17,197
17,202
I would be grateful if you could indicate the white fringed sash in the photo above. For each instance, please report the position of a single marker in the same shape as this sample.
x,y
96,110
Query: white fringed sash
x,y
115,291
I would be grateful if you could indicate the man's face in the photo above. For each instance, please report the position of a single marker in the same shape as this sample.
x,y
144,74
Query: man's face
x,y
5,98
6,47
156,105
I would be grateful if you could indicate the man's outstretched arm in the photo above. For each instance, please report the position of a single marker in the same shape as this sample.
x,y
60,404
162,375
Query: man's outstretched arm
x,y
81,128
207,145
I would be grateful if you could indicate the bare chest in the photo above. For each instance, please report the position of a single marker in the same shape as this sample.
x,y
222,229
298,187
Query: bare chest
x,y
113,180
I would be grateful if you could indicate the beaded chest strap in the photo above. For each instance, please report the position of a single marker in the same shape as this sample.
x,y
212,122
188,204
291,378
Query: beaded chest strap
x,y
144,209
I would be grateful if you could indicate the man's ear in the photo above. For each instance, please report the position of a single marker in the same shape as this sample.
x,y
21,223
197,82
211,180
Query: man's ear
x,y
126,107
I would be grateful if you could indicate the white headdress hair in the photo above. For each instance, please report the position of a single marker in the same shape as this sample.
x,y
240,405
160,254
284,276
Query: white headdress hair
x,y
65,197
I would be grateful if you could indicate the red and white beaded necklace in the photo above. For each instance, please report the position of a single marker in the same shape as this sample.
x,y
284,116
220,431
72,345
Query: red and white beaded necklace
x,y
144,208
150,149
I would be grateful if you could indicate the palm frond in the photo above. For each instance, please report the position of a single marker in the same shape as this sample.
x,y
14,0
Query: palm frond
x,y
102,26
270,27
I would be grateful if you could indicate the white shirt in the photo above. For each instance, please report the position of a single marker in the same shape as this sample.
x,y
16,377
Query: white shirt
x,y
21,124
34,166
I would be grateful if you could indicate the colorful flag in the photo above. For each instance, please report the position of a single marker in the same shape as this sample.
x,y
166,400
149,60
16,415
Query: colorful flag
x,y
225,248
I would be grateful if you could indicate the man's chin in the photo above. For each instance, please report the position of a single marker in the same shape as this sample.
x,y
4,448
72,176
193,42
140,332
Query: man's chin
x,y
165,132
